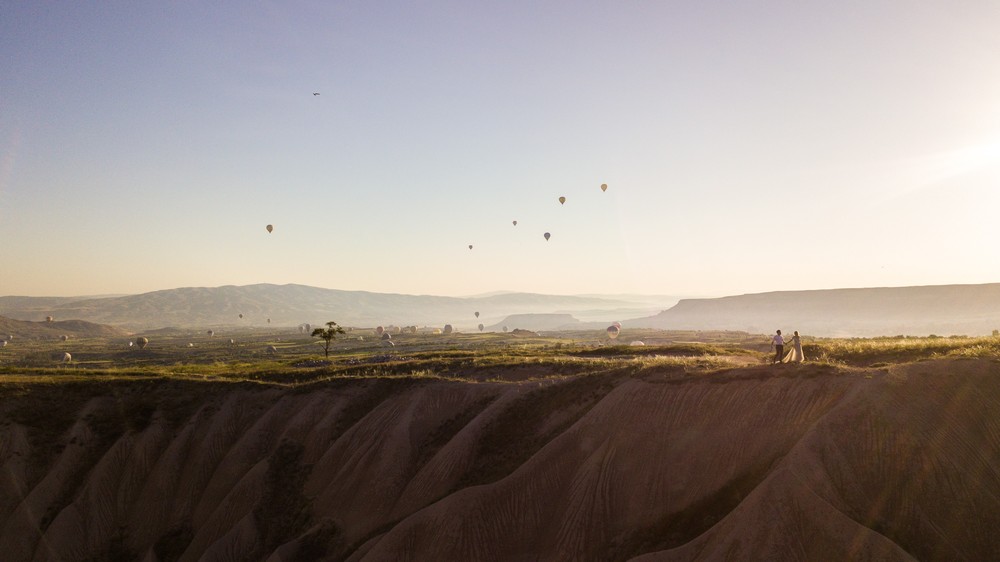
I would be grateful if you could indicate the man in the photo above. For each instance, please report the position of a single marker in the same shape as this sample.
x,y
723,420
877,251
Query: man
x,y
779,347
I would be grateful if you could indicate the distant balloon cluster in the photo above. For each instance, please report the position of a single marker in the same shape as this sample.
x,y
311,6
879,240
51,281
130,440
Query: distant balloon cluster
x,y
562,201
612,331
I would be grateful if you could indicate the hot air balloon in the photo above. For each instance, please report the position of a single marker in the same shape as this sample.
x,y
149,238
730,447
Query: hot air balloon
x,y
210,333
604,187
515,223
617,325
48,318
637,343
270,228
131,343
66,357
481,327
505,328
477,315
386,336
268,320
379,330
241,315
64,338
271,350
547,236
613,332
190,344
142,343
448,329
470,246
3,343
562,200
390,344
232,341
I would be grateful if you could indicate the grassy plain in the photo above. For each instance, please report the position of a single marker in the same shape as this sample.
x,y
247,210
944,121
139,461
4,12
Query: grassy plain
x,y
287,357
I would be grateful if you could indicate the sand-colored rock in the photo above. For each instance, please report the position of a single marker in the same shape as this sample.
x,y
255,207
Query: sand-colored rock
x,y
792,463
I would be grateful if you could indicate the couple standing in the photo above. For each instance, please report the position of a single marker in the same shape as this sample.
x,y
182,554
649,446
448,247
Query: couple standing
x,y
793,356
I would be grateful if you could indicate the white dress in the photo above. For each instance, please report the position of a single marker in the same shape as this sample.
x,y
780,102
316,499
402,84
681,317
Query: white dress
x,y
795,354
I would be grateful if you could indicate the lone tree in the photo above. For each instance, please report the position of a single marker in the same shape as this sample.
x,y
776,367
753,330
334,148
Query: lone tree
x,y
331,331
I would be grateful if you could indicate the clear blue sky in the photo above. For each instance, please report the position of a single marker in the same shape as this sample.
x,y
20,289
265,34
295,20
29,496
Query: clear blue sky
x,y
747,146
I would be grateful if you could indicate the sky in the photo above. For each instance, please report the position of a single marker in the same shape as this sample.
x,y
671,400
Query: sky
x,y
747,146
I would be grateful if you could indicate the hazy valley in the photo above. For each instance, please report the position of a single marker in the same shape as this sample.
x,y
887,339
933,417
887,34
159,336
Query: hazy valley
x,y
866,312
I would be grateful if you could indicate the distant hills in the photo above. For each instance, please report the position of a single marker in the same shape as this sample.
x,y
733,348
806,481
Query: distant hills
x,y
55,330
291,305
941,310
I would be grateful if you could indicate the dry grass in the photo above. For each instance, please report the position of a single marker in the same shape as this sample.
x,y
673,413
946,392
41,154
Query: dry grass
x,y
469,357
884,351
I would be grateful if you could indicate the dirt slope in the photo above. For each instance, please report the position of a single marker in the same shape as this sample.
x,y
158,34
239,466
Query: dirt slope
x,y
796,463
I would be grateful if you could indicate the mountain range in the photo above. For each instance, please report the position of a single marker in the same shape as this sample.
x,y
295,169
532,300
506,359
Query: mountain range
x,y
886,311
290,305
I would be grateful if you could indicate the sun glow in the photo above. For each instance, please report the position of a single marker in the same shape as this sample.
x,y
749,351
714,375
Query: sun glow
x,y
946,165
973,167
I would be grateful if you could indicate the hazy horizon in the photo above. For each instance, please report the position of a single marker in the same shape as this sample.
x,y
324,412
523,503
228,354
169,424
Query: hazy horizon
x,y
746,149
488,294
478,295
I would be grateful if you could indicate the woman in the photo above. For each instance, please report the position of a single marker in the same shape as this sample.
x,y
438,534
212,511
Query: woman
x,y
795,355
